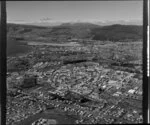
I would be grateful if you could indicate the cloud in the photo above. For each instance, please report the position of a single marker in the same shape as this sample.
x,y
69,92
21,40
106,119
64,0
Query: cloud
x,y
46,19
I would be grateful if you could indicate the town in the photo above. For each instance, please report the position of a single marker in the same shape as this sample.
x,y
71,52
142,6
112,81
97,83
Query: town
x,y
77,80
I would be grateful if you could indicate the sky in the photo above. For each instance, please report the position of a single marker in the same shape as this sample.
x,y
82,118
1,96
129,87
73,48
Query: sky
x,y
67,11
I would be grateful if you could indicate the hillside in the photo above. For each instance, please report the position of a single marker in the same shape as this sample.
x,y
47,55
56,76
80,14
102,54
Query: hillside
x,y
76,30
62,32
15,47
118,33
25,31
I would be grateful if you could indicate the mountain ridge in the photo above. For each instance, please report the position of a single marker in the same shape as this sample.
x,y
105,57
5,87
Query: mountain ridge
x,y
76,30
101,23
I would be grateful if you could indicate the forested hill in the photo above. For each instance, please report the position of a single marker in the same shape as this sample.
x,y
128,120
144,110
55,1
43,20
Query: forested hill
x,y
118,33
80,30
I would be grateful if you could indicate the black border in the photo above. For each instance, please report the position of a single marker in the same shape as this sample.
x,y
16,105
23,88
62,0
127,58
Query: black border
x,y
3,39
145,78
